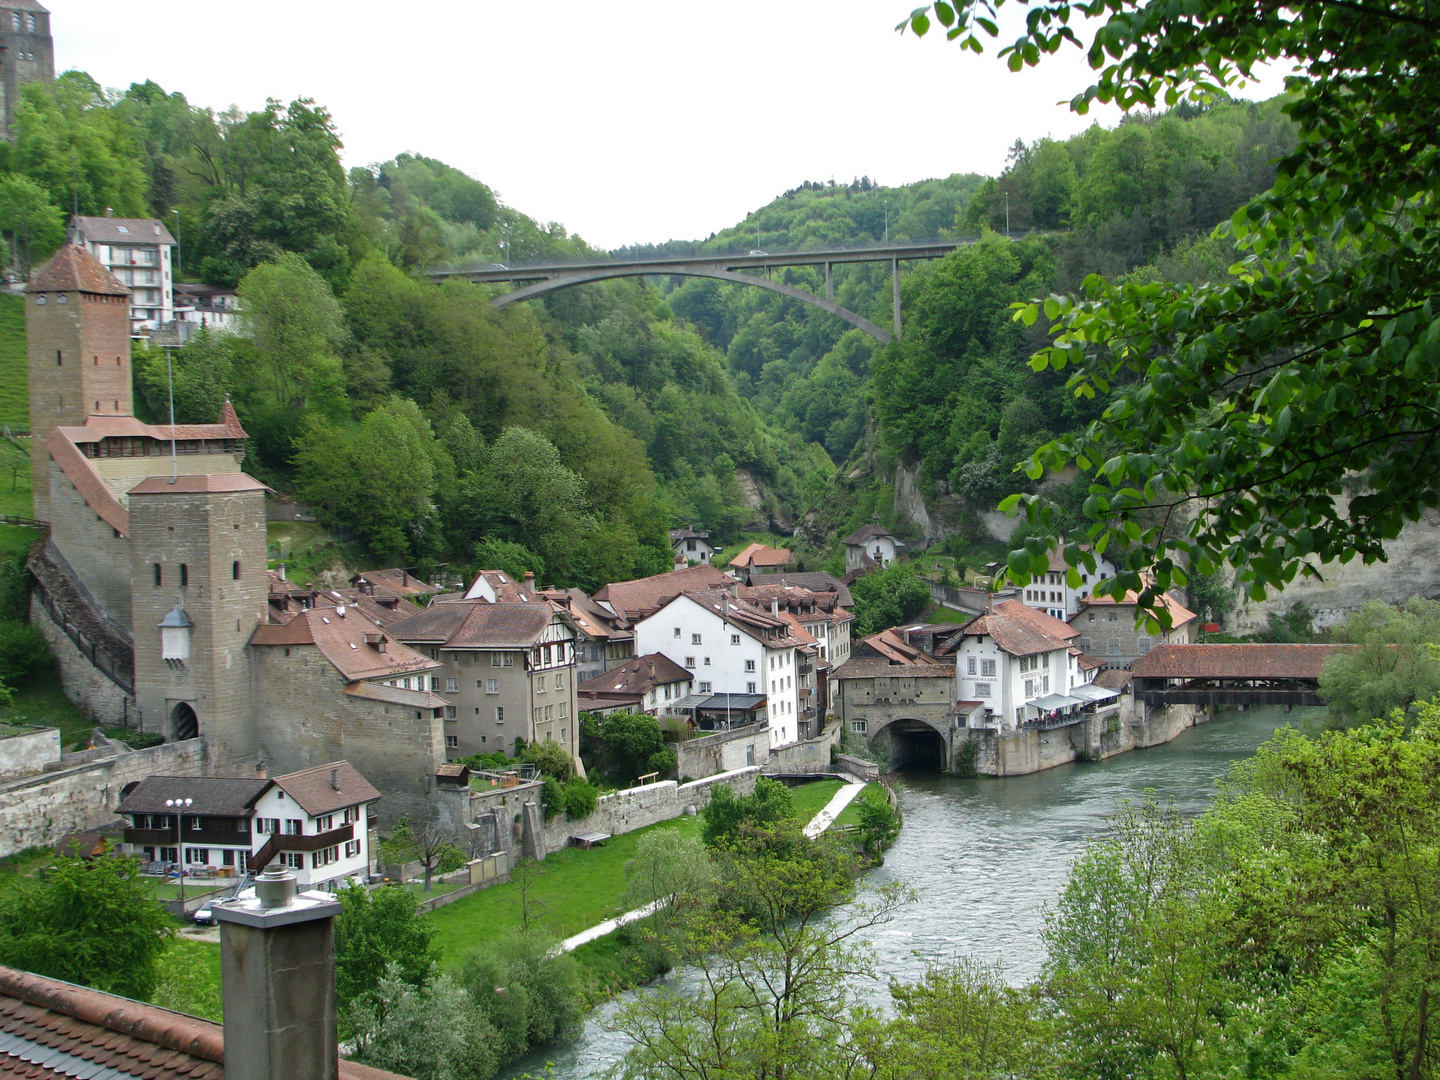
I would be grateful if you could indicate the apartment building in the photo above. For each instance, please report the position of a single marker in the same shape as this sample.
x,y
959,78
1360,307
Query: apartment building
x,y
137,251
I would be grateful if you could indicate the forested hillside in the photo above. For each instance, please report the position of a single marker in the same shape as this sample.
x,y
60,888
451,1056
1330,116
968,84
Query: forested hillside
x,y
420,421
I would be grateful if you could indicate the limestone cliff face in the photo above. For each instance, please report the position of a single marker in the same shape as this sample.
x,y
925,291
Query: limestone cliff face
x,y
1412,569
910,504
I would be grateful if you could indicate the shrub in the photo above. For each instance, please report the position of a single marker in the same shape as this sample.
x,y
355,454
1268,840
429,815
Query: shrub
x,y
528,996
451,859
581,797
552,797
551,759
727,812
23,652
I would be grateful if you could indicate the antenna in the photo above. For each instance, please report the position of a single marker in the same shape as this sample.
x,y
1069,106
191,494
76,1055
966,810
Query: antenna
x,y
170,378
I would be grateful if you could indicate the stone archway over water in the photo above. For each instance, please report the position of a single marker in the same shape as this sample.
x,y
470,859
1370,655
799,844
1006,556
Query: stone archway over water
x,y
910,746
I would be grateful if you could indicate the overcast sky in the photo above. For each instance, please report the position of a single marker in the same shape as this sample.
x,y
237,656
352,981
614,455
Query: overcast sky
x,y
628,121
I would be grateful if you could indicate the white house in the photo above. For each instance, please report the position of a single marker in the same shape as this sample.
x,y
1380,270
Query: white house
x,y
137,251
743,659
1020,665
1050,593
691,546
871,547
315,822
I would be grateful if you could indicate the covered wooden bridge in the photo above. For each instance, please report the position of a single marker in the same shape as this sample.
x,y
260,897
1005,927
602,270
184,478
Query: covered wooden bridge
x,y
1250,674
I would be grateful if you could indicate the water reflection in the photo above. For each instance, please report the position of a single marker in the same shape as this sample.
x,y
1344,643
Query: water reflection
x,y
986,856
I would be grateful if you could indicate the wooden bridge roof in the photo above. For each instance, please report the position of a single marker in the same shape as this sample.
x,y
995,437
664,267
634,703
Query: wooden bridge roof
x,y
1248,661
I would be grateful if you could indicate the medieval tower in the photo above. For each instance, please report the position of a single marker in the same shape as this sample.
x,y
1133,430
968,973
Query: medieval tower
x,y
27,54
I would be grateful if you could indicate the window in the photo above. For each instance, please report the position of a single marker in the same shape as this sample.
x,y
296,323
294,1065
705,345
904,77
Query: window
x,y
694,639
549,712
1114,646
987,668
540,684
689,661
449,712
195,824
30,27
502,659
1112,616
565,709
982,689
970,665
184,575
197,856
707,662
452,742
15,21
677,631
159,576
235,570
860,727
704,688
352,848
749,665
434,682
734,639
536,714
267,825
325,824
499,714
452,686
749,688
294,827
559,680
293,859
492,686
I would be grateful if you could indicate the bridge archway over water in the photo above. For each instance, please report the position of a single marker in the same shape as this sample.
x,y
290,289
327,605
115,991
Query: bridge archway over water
x,y
908,744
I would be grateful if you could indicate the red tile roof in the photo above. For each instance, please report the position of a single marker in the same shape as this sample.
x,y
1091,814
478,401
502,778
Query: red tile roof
x,y
1018,629
643,596
216,482
342,642
324,789
637,676
81,473
1248,661
74,1030
892,646
73,269
761,555
1179,613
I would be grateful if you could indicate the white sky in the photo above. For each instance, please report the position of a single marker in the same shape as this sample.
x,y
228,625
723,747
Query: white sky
x,y
627,121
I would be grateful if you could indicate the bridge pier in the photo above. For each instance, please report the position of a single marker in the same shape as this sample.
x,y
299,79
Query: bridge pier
x,y
895,280
829,284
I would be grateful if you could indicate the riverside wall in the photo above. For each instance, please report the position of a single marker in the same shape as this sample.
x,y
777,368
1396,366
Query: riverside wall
x,y
1113,731
634,808
38,810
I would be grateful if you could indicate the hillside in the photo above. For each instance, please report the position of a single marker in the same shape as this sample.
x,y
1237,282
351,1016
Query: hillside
x,y
14,398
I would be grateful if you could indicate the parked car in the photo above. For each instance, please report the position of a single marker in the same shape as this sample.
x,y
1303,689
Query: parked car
x,y
757,251
204,915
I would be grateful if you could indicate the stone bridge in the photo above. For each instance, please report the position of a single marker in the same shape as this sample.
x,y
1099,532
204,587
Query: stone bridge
x,y
539,279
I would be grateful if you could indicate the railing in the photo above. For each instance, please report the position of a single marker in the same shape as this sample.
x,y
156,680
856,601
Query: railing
x,y
279,842
88,649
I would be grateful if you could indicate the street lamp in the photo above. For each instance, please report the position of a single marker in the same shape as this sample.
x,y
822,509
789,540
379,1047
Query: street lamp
x,y
180,805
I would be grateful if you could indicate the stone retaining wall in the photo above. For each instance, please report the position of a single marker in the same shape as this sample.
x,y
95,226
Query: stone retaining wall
x,y
26,750
38,810
723,751
1112,731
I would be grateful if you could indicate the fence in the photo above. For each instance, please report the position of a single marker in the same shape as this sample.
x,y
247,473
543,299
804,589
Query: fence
x,y
125,680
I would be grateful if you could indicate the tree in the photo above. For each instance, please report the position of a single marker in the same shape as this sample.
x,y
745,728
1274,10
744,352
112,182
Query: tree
x,y
879,825
885,598
529,993
379,929
773,995
551,759
669,869
959,1020
1288,411
287,309
377,479
419,841
202,374
186,983
32,223
512,558
1395,665
433,1031
727,815
635,745
89,921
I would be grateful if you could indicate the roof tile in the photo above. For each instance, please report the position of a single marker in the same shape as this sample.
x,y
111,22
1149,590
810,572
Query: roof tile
x,y
73,269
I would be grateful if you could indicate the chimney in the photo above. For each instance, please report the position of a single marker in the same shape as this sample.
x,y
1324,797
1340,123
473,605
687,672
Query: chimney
x,y
259,770
404,577
335,779
277,978
529,577
282,572
109,211
775,606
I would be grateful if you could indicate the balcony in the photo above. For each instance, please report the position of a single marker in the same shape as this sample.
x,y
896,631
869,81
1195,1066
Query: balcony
x,y
189,837
279,842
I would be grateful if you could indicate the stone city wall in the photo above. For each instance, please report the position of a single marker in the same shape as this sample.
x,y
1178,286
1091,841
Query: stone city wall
x,y
811,755
26,750
38,810
98,696
723,751
1115,730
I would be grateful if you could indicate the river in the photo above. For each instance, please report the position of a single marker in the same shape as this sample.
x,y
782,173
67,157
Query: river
x,y
986,855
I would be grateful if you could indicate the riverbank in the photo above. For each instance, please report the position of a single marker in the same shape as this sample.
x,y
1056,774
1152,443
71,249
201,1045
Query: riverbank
x,y
985,859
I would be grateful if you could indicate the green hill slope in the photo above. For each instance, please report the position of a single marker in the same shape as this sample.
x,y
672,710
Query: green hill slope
x,y
14,397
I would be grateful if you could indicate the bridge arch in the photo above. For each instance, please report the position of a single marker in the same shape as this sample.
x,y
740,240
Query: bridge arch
x,y
583,276
911,742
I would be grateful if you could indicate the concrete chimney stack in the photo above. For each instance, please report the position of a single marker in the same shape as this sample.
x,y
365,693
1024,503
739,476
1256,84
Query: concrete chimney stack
x,y
259,770
277,973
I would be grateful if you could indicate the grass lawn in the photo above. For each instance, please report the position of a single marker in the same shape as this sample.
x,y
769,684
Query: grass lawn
x,y
14,392
809,799
851,814
40,700
943,614
15,484
576,889
437,888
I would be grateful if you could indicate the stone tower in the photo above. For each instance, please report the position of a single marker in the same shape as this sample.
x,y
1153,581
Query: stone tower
x,y
198,590
77,326
27,54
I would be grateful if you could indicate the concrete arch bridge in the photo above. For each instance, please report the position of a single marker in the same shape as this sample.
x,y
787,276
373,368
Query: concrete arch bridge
x,y
539,279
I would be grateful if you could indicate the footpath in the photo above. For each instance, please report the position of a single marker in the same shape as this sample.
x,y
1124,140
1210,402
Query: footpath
x,y
822,820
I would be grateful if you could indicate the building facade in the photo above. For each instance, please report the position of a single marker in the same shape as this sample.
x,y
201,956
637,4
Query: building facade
x,y
137,251
27,53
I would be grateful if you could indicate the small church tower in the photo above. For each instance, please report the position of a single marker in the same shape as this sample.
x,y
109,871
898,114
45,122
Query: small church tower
x,y
77,325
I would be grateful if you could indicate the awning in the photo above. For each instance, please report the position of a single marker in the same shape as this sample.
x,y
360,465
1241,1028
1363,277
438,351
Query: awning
x,y
1091,692
1052,702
